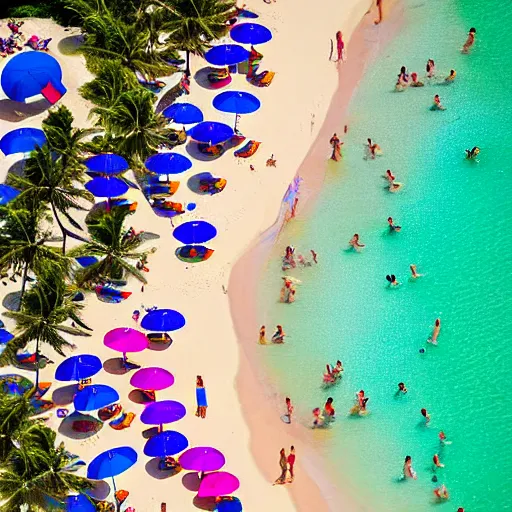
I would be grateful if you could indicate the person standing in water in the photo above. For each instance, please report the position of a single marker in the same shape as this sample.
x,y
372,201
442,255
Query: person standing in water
x,y
336,148
408,469
414,273
435,332
392,226
278,336
437,103
431,68
401,388
262,340
373,149
355,244
289,409
437,462
470,41
314,255
426,415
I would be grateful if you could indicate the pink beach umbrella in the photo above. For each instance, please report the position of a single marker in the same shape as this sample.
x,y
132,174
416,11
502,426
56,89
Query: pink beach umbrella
x,y
216,484
126,339
202,458
152,379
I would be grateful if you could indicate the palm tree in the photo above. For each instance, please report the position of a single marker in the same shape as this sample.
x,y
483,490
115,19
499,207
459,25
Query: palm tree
x,y
47,180
23,243
35,471
113,247
44,310
193,24
132,121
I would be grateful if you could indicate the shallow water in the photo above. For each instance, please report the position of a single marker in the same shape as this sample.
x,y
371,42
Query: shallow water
x,y
455,216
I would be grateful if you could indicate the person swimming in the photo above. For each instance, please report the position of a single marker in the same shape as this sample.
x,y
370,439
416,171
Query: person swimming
x,y
338,369
329,377
354,242
437,103
401,388
431,68
451,76
360,405
441,493
288,258
415,82
471,154
408,470
391,279
442,439
390,176
470,41
314,255
435,332
403,79
392,226
414,272
437,462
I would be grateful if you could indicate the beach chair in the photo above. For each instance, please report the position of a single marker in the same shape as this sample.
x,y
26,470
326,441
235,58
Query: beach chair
x,y
161,338
264,79
176,138
83,383
109,412
169,464
193,253
42,44
219,78
248,150
212,185
86,426
214,150
254,62
124,421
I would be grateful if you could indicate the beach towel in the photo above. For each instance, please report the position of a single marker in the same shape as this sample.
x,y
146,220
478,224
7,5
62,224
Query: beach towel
x,y
201,397
248,150
51,93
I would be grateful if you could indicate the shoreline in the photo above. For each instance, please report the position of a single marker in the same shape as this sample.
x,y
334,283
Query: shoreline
x,y
310,486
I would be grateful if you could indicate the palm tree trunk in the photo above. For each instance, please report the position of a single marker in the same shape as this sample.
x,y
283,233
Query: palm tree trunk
x,y
37,364
187,68
23,284
62,228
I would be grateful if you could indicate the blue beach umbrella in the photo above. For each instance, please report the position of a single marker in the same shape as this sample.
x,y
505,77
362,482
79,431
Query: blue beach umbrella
x,y
236,102
163,320
78,367
22,140
107,163
86,261
229,506
183,113
30,73
195,232
95,397
168,163
106,187
211,132
112,463
79,503
5,336
226,55
165,444
250,33
7,194
165,411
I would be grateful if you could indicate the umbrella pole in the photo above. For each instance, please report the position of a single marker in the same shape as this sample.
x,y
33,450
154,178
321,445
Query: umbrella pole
x,y
236,123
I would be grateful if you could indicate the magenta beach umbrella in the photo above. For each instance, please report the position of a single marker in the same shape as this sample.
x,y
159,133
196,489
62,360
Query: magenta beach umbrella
x,y
202,458
126,339
165,411
152,378
216,484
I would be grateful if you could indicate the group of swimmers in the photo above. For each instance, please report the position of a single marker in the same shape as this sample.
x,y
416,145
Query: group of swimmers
x,y
289,261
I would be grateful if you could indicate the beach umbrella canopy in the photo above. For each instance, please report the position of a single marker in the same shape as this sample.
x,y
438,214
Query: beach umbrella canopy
x,y
126,339
107,163
202,458
236,102
211,132
195,232
79,503
7,194
22,140
112,463
12,384
163,320
5,336
78,367
106,187
165,411
86,261
152,378
216,484
229,506
95,397
183,113
250,33
226,55
30,73
168,163
165,444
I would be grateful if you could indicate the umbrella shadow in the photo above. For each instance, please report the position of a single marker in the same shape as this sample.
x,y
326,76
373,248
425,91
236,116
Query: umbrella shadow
x,y
66,426
204,503
159,347
153,470
150,432
193,150
137,396
64,395
201,77
147,236
15,111
193,182
100,490
70,45
115,366
191,481
11,301
17,168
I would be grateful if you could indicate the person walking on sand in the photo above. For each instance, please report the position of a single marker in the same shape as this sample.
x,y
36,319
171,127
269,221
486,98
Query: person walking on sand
x,y
202,403
283,464
291,463
340,46
262,340
470,41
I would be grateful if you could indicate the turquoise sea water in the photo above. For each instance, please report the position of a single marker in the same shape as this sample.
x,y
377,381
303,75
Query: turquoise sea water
x,y
456,219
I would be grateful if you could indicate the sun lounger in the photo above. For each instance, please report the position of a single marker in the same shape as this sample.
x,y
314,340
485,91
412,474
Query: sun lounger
x,y
124,421
193,253
159,337
214,150
219,78
83,383
178,137
248,150
212,185
86,426
169,464
263,79
162,189
109,412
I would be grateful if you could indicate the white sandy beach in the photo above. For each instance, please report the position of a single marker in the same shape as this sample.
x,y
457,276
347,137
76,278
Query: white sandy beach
x,y
292,112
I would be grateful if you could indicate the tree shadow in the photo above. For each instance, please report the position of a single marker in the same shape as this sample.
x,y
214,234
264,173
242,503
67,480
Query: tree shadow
x,y
153,470
194,182
137,396
99,491
16,111
66,426
191,481
64,395
11,301
147,236
115,366
70,45
208,503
